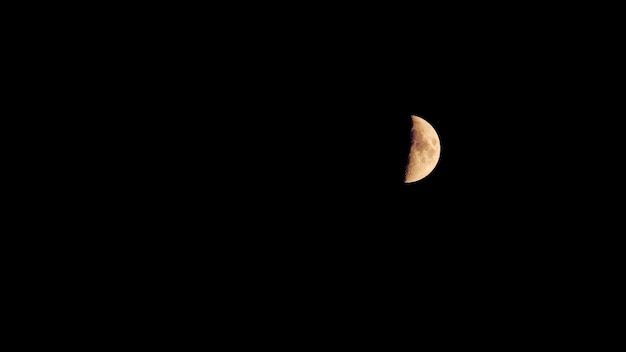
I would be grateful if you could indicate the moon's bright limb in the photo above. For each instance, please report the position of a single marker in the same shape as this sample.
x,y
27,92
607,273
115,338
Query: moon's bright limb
x,y
425,150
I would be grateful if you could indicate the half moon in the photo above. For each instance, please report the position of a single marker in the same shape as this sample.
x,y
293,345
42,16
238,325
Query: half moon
x,y
425,150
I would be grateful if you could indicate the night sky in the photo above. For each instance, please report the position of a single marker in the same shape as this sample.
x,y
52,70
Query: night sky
x,y
255,165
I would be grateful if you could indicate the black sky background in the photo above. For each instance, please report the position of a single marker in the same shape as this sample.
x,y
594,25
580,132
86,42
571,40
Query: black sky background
x,y
263,161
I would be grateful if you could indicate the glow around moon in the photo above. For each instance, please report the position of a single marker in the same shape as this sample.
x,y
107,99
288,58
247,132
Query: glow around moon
x,y
425,150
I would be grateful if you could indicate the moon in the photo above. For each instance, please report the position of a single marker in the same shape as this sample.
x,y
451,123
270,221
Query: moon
x,y
425,150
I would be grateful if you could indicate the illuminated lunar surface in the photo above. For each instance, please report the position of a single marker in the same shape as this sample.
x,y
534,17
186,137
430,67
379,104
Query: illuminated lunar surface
x,y
425,150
